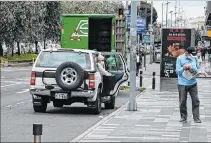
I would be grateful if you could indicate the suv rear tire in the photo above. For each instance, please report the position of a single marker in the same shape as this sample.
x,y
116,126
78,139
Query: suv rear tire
x,y
110,105
41,109
97,108
57,103
77,69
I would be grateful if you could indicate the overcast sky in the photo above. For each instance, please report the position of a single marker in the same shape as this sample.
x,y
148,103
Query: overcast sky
x,y
191,8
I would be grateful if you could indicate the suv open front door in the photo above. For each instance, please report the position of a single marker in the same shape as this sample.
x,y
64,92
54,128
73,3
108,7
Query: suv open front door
x,y
115,64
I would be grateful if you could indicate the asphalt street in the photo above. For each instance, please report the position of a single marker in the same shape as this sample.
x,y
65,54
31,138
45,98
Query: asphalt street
x,y
59,124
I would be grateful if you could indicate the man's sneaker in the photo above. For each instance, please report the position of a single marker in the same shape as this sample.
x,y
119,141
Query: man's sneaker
x,y
183,120
197,120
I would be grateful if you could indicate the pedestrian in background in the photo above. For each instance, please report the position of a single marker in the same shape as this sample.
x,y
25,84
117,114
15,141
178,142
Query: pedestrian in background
x,y
203,52
199,58
187,62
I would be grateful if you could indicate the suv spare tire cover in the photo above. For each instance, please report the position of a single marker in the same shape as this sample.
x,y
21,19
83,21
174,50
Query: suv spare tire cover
x,y
79,76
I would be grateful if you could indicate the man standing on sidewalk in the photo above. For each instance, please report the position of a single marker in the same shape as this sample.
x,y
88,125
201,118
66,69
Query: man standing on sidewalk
x,y
187,62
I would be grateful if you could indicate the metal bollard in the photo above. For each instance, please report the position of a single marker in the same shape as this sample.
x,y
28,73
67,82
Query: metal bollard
x,y
153,80
128,83
141,77
37,132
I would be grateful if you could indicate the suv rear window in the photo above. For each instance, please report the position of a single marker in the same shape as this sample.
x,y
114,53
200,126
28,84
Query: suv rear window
x,y
54,59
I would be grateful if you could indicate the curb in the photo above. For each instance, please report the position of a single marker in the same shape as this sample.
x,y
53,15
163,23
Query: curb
x,y
80,137
17,65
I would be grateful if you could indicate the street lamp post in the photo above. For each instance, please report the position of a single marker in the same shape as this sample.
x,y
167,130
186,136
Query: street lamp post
x,y
167,12
175,14
151,28
162,15
132,106
171,18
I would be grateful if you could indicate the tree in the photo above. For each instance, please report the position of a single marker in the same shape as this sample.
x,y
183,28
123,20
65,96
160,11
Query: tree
x,y
7,24
144,10
91,7
52,21
35,13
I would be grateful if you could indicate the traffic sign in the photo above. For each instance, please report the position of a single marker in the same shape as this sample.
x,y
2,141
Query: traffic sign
x,y
140,25
146,38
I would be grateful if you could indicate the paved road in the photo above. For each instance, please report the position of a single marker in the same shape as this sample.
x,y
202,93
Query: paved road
x,y
59,124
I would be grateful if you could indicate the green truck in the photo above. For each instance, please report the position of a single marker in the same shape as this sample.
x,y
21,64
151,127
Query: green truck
x,y
92,31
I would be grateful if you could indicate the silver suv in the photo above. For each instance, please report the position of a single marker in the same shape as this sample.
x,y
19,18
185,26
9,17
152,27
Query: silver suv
x,y
65,76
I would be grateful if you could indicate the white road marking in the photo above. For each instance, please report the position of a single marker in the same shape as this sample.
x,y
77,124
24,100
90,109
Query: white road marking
x,y
9,85
20,103
11,70
8,106
23,91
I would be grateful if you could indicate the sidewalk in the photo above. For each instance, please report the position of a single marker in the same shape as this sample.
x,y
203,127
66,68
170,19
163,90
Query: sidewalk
x,y
157,120
147,74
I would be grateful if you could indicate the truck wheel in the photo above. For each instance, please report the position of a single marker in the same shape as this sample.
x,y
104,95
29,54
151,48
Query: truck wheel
x,y
69,76
110,105
41,109
97,108
57,103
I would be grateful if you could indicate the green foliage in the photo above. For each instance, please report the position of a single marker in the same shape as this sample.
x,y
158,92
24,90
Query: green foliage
x,y
16,57
37,21
91,7
52,21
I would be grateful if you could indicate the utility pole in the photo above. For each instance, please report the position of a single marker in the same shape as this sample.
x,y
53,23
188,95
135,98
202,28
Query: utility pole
x,y
162,15
167,13
171,18
127,34
175,14
132,106
151,28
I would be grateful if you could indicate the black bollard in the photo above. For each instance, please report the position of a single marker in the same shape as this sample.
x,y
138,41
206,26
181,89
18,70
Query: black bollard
x,y
128,83
153,80
37,132
141,77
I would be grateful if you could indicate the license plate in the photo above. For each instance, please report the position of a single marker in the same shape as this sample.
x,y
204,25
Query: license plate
x,y
60,95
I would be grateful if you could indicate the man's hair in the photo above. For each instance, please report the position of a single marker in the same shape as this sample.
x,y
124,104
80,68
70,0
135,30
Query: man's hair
x,y
190,50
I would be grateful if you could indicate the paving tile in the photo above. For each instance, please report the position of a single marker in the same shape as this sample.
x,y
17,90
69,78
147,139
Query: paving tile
x,y
198,131
183,139
185,132
160,120
158,125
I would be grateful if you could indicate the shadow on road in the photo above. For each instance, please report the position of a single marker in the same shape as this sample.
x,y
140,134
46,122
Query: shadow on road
x,y
81,109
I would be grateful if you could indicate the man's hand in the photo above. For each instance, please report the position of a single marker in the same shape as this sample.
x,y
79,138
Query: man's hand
x,y
190,67
186,67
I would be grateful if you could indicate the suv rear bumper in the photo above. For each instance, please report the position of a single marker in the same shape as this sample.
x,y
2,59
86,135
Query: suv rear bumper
x,y
79,93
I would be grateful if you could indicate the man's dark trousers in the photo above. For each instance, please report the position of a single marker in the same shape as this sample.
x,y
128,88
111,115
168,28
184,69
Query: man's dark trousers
x,y
193,91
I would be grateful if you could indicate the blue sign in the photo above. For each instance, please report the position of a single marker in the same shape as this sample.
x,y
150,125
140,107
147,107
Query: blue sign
x,y
140,24
146,38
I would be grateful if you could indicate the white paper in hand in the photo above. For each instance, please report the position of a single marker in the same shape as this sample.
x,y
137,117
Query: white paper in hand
x,y
188,75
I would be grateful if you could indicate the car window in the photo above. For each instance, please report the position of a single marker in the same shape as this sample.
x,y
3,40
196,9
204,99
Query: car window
x,y
113,63
54,59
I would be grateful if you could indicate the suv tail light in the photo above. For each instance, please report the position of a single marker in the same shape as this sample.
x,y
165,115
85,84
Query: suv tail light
x,y
91,81
33,77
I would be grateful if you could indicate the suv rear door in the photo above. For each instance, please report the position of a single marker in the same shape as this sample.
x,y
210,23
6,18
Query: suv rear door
x,y
115,64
